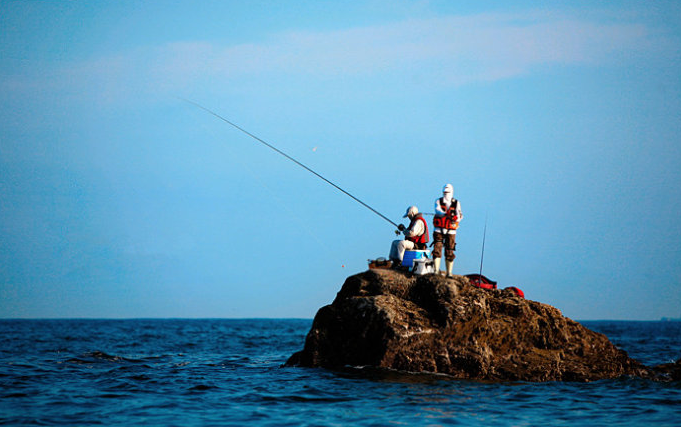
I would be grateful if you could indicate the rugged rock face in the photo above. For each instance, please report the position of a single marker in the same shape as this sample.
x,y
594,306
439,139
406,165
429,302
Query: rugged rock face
x,y
669,371
388,319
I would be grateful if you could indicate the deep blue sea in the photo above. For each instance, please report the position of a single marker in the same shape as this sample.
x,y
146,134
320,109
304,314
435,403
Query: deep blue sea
x,y
229,373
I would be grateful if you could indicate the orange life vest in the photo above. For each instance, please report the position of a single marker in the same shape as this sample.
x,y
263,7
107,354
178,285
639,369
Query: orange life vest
x,y
449,219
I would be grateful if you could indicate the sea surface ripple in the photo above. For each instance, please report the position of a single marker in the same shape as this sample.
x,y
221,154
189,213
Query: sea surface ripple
x,y
218,372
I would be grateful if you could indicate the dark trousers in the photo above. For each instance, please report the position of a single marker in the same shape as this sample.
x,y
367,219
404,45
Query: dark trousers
x,y
446,240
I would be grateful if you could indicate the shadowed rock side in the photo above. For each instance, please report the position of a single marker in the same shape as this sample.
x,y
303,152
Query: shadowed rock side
x,y
388,319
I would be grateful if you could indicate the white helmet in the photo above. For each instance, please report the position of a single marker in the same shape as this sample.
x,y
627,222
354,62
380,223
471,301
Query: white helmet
x,y
448,189
412,211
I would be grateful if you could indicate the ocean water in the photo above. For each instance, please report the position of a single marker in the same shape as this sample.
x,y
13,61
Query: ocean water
x,y
229,373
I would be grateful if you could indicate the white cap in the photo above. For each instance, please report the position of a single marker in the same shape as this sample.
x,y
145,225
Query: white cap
x,y
448,189
411,211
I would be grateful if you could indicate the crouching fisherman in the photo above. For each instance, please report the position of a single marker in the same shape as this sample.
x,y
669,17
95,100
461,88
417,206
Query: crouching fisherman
x,y
445,222
415,236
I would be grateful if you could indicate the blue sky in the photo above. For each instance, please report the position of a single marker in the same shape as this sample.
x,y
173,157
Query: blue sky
x,y
559,122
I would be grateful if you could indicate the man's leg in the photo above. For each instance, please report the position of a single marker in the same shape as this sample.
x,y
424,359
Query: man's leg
x,y
438,238
450,247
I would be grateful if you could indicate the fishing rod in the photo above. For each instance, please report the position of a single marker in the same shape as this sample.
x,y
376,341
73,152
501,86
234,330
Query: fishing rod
x,y
482,254
288,157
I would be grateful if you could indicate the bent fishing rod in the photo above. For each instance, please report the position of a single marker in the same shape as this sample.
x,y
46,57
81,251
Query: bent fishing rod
x,y
270,146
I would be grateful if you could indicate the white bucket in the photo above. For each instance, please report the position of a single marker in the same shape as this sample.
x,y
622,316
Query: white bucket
x,y
423,266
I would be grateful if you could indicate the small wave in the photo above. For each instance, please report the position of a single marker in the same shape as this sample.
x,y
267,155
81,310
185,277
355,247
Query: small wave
x,y
100,356
234,362
202,387
304,399
391,375
14,395
113,396
94,357
104,356
666,402
140,378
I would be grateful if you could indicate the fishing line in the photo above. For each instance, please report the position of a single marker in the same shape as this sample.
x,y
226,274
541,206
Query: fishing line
x,y
482,254
288,157
304,225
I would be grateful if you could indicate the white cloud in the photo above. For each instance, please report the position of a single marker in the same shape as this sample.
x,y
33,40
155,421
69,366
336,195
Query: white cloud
x,y
482,45
453,50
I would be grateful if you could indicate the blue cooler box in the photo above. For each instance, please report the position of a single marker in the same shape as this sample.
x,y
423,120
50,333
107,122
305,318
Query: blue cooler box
x,y
410,256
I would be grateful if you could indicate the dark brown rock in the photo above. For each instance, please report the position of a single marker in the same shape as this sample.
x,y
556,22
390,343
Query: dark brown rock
x,y
389,319
669,371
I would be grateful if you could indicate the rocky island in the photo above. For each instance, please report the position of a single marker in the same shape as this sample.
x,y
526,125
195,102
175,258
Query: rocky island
x,y
394,320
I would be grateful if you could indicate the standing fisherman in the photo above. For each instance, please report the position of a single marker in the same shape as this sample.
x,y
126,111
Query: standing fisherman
x,y
445,222
415,236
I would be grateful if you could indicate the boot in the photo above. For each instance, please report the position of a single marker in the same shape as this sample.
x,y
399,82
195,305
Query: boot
x,y
450,267
436,265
